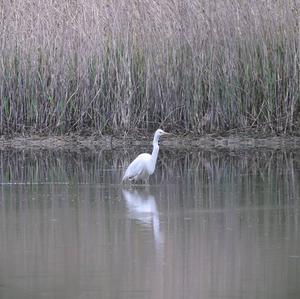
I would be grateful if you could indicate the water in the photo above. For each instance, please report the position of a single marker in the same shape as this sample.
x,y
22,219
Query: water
x,y
212,224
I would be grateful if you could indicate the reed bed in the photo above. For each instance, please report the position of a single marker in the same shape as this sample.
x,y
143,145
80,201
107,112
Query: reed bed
x,y
120,66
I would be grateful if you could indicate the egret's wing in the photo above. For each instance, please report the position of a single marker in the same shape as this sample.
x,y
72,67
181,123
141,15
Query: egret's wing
x,y
136,166
134,169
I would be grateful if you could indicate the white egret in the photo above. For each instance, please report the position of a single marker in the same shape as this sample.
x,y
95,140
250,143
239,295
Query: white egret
x,y
144,164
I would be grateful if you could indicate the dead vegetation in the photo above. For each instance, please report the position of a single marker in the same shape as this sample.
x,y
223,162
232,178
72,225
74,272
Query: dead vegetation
x,y
110,66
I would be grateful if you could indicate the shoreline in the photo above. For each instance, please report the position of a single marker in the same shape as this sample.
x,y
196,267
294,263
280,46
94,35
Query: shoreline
x,y
108,142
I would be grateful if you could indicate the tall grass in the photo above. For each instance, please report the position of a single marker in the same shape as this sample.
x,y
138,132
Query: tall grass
x,y
111,66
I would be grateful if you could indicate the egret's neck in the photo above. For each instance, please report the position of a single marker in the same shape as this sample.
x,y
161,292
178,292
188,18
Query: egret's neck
x,y
155,139
155,150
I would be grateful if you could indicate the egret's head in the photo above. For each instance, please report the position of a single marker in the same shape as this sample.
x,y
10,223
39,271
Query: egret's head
x,y
159,133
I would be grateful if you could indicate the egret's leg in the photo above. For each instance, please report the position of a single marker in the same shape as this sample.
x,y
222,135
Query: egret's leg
x,y
131,182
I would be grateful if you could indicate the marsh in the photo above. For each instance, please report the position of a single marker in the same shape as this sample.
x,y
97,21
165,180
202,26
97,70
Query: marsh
x,y
211,224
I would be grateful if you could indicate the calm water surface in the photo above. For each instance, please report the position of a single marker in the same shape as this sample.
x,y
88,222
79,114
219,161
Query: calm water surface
x,y
212,224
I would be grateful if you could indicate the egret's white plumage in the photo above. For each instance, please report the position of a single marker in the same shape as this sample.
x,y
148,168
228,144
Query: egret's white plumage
x,y
144,164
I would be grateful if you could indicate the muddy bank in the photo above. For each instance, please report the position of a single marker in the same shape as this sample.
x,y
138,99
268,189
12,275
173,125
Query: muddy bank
x,y
177,141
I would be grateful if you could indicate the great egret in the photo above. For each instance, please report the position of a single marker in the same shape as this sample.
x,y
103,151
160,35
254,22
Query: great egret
x,y
144,164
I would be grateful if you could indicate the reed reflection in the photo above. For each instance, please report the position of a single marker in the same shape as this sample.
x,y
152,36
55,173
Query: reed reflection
x,y
212,224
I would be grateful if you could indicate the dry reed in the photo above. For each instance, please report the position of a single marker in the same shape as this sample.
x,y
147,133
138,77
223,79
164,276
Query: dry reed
x,y
111,66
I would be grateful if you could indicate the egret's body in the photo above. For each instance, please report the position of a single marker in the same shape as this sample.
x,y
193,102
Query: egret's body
x,y
144,164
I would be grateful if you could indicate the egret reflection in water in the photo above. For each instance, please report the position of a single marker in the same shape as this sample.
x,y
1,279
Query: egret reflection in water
x,y
142,207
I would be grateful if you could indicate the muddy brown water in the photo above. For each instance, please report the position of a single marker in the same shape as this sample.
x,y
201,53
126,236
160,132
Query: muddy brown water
x,y
211,224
